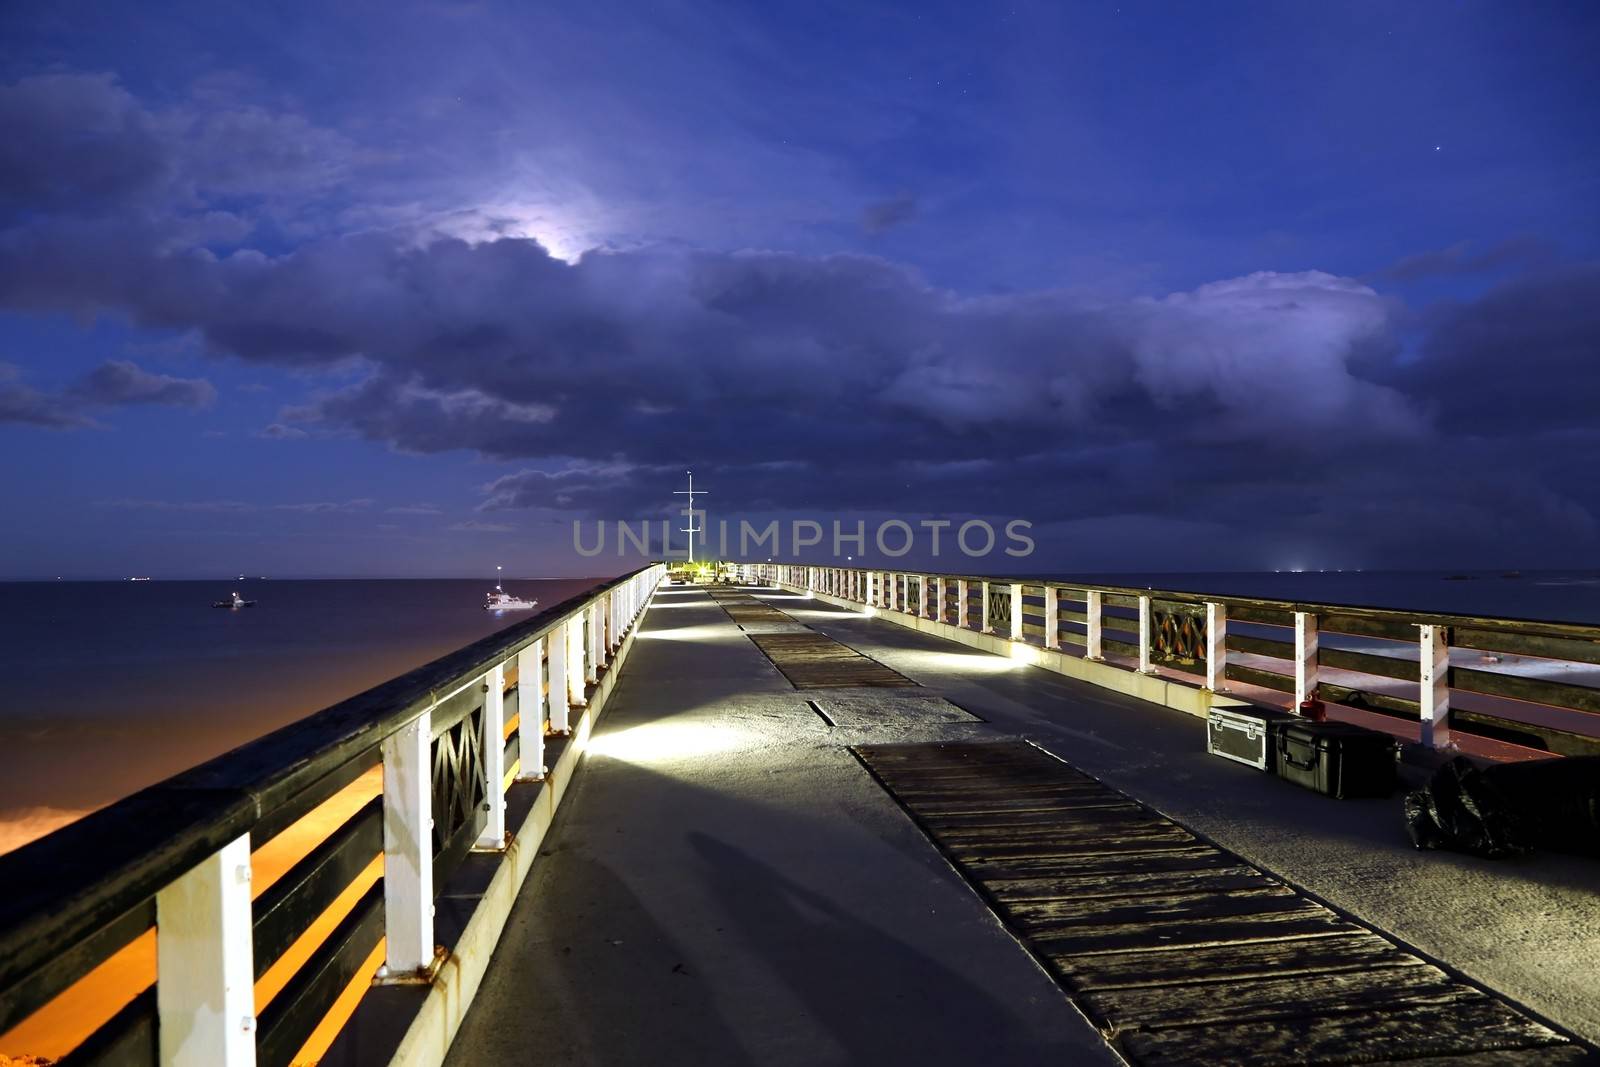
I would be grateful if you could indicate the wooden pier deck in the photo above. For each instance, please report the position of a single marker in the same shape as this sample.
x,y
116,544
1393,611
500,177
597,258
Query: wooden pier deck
x,y
803,835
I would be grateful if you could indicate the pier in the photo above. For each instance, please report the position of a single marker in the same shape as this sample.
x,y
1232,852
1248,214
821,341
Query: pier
x,y
833,815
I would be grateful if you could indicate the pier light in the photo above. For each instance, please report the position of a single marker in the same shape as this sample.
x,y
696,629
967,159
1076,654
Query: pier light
x,y
666,742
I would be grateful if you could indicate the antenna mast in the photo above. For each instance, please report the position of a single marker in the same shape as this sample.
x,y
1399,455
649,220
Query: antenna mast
x,y
691,529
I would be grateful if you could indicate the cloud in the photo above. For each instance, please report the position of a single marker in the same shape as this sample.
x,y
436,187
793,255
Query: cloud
x,y
21,404
1518,361
883,215
481,527
1271,400
1460,259
118,383
112,384
413,509
239,507
579,485
277,431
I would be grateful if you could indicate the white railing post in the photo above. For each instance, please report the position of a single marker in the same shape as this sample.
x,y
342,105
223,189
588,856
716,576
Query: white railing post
x,y
1305,658
983,608
1216,647
408,849
1144,636
530,712
205,976
1094,638
577,638
937,604
592,654
1016,611
1435,688
924,608
1052,617
559,642
493,739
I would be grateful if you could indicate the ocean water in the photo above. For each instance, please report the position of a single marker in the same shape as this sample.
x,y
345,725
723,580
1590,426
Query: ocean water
x,y
106,687
1547,596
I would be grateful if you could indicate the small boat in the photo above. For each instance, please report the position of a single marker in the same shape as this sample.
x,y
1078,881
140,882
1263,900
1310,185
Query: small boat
x,y
500,600
237,602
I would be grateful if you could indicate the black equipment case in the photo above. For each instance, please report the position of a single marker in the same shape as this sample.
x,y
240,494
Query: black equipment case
x,y
1246,734
1337,759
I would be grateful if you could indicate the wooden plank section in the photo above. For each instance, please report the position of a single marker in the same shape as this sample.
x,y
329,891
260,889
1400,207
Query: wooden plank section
x,y
1483,1025
1277,998
815,661
1216,963
1180,951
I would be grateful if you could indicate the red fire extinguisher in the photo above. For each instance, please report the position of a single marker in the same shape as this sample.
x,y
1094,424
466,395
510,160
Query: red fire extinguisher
x,y
1313,709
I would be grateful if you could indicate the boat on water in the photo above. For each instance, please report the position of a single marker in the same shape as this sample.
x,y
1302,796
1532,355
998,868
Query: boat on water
x,y
237,602
500,600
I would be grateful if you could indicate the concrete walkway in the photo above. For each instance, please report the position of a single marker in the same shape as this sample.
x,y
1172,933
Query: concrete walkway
x,y
1529,928
728,885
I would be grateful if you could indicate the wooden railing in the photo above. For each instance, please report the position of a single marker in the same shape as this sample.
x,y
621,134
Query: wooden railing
x,y
177,858
1522,682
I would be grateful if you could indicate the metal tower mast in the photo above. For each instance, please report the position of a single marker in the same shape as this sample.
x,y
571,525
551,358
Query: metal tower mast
x,y
691,529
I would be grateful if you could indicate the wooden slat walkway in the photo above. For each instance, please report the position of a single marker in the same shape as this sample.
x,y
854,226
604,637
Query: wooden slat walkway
x,y
814,661
1180,951
808,659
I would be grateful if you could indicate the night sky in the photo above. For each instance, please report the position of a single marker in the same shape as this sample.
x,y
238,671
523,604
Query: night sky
x,y
403,288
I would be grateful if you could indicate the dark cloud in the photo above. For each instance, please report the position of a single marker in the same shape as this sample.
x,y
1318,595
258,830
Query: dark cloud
x,y
1519,361
481,527
277,431
22,404
1461,258
883,215
1274,405
118,383
78,143
113,384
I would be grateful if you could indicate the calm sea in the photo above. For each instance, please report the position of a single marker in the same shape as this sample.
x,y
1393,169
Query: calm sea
x,y
1550,596
106,687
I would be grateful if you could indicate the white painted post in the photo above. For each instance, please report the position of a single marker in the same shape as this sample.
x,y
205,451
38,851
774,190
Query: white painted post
x,y
1305,658
577,627
1216,647
1144,636
560,643
493,739
408,849
962,611
593,655
205,976
1052,617
1094,640
924,608
936,604
1016,611
1435,693
530,712
983,607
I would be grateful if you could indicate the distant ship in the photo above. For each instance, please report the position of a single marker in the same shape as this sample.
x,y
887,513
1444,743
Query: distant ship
x,y
500,600
237,602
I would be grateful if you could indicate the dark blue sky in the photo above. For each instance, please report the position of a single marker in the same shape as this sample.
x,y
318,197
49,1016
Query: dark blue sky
x,y
404,288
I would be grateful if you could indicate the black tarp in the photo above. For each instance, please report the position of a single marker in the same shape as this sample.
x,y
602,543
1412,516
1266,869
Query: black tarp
x,y
1509,809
